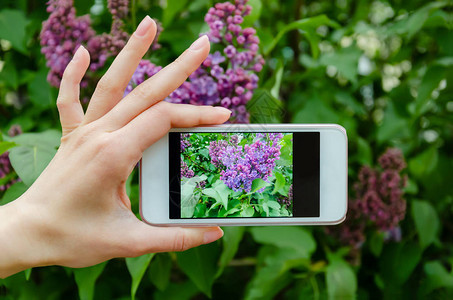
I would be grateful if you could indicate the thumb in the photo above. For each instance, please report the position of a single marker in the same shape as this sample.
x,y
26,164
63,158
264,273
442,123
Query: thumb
x,y
144,238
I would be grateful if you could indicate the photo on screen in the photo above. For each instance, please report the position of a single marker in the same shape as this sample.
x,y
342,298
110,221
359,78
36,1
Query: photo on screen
x,y
236,175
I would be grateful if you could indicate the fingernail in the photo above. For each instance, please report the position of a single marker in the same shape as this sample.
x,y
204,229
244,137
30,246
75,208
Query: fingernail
x,y
223,109
198,44
78,53
211,236
143,27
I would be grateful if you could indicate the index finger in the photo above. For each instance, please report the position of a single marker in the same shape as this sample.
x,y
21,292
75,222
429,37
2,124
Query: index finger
x,y
157,87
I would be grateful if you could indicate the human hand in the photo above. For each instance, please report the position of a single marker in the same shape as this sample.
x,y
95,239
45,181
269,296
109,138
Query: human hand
x,y
77,212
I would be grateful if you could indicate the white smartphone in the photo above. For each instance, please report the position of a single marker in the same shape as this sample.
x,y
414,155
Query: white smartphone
x,y
248,174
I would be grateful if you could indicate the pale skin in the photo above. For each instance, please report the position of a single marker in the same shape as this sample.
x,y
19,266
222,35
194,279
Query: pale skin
x,y
77,213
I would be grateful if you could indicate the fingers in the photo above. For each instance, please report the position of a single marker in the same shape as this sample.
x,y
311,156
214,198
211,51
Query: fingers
x,y
144,238
110,88
155,122
159,86
68,103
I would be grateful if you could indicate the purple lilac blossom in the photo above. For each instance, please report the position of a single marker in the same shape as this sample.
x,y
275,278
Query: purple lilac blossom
x,y
286,202
185,143
144,70
378,201
231,73
63,32
242,164
185,171
6,170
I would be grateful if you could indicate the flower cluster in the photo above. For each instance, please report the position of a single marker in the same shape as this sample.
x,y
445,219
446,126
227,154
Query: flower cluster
x,y
286,202
185,171
7,176
378,200
379,192
243,164
63,32
227,79
185,143
145,69
61,35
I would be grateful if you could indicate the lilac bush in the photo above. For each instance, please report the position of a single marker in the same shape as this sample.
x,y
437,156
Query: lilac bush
x,y
63,32
229,78
378,200
226,78
243,164
7,175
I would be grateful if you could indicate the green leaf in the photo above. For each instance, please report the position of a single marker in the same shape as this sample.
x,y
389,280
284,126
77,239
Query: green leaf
x,y
254,14
430,81
230,241
258,184
438,276
393,125
248,212
280,184
345,60
286,237
277,80
376,243
308,25
5,146
172,9
412,24
32,155
188,198
137,267
160,271
86,278
424,163
267,282
426,221
316,110
39,90
13,192
265,108
13,24
220,192
200,265
177,291
341,280
397,262
364,152
27,273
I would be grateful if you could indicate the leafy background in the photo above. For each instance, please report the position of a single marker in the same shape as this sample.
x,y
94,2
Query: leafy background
x,y
382,69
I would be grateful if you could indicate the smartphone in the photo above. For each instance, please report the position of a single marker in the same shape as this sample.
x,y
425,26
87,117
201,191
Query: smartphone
x,y
248,174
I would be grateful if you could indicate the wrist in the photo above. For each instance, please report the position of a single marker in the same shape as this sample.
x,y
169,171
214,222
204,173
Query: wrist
x,y
23,238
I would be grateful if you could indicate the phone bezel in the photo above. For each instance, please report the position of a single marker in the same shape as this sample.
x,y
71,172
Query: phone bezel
x,y
333,178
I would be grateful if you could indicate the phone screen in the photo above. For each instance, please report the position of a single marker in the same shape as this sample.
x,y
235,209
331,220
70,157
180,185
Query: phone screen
x,y
244,174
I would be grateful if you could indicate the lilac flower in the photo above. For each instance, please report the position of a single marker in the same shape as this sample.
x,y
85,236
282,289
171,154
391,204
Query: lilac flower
x,y
185,143
6,170
63,32
378,200
240,165
286,202
232,74
144,70
185,171
61,35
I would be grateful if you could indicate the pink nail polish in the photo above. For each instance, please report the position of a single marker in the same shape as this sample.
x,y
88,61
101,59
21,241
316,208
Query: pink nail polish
x,y
198,44
143,27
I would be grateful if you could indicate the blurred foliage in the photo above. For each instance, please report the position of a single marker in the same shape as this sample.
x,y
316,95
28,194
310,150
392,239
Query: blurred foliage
x,y
382,69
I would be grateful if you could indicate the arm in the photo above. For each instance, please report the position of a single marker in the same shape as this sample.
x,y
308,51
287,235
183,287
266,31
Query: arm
x,y
77,213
